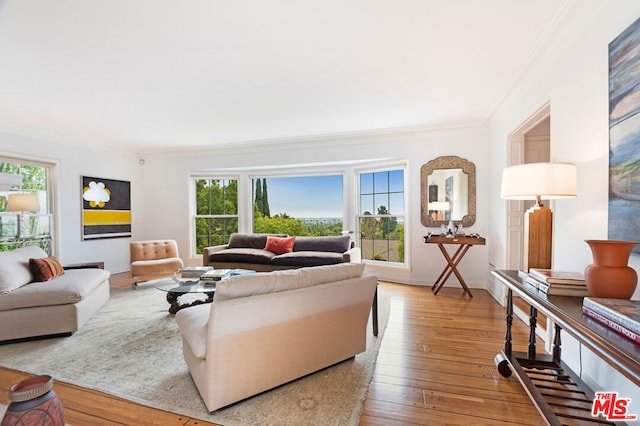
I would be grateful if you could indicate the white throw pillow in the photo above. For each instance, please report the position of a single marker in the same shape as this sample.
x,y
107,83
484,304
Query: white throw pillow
x,y
14,267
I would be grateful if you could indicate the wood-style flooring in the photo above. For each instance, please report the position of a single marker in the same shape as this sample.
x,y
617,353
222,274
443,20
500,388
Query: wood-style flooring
x,y
435,367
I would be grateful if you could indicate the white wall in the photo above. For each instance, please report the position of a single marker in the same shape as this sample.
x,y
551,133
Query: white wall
x,y
74,162
169,173
573,75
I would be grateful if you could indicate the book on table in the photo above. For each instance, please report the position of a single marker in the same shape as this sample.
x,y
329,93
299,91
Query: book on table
x,y
215,275
615,326
623,311
220,274
559,283
552,276
194,271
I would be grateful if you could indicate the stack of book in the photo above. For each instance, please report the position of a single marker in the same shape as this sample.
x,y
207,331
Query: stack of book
x,y
560,283
194,271
620,315
211,277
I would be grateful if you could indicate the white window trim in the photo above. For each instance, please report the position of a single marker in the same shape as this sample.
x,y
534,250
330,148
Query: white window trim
x,y
382,167
351,193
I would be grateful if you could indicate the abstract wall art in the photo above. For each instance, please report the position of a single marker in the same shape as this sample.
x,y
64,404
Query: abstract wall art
x,y
106,208
624,136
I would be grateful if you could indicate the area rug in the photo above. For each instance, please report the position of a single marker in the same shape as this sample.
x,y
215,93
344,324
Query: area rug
x,y
132,348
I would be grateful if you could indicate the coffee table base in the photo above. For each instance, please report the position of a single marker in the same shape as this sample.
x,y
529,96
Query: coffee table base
x,y
175,304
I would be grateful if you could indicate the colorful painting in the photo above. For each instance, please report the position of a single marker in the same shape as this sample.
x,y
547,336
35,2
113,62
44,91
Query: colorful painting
x,y
624,136
106,208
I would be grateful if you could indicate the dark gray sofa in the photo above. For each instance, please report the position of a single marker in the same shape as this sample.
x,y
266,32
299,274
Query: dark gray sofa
x,y
247,251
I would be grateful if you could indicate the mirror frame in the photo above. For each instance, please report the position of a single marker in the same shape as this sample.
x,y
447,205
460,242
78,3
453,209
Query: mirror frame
x,y
447,162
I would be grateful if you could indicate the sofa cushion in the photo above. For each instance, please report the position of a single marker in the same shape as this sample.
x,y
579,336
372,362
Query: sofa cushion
x,y
193,325
244,255
326,274
45,269
14,267
255,241
288,279
307,258
258,283
71,287
280,245
335,244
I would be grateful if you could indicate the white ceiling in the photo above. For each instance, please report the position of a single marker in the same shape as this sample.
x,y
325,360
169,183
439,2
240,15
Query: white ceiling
x,y
161,74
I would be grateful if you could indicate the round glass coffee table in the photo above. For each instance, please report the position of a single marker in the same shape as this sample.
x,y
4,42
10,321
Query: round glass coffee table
x,y
175,287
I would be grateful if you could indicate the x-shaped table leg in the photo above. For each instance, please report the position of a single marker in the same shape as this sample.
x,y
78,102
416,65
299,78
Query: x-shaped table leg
x,y
451,267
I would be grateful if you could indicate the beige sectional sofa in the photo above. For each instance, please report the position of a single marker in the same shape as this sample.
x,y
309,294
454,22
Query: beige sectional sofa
x,y
266,329
60,306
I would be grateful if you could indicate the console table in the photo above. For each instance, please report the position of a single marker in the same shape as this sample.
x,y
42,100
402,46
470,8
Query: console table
x,y
556,391
464,244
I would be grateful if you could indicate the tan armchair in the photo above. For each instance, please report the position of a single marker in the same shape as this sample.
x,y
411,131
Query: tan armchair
x,y
153,258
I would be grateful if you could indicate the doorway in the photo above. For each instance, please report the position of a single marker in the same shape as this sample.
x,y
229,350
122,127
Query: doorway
x,y
529,143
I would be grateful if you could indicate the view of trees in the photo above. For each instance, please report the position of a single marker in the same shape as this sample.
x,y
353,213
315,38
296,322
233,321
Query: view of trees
x,y
34,180
282,223
381,234
216,211
381,237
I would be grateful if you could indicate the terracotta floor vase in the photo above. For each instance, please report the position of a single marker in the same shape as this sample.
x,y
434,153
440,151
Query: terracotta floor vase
x,y
609,275
33,403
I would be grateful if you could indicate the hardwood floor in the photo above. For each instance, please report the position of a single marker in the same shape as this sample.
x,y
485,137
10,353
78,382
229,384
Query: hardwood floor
x,y
435,367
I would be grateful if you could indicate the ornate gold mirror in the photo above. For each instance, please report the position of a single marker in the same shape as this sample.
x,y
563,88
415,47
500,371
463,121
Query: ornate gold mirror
x,y
448,186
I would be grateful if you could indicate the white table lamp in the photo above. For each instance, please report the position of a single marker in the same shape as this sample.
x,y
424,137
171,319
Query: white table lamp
x,y
539,181
23,203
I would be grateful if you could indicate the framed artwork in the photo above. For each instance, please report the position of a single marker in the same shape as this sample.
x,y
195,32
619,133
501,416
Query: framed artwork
x,y
106,208
624,135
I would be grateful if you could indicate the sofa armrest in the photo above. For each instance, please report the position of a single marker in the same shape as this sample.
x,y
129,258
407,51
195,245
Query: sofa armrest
x,y
353,255
208,251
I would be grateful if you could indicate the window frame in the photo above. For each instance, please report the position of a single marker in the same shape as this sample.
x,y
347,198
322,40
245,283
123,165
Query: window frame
x,y
350,172
52,195
193,210
382,167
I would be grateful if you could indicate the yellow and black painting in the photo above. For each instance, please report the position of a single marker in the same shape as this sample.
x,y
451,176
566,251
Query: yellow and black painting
x,y
106,208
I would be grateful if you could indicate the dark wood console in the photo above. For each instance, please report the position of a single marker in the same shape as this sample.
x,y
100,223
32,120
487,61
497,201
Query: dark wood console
x,y
559,394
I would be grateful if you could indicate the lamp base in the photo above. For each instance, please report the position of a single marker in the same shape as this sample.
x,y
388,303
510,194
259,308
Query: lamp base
x,y
538,224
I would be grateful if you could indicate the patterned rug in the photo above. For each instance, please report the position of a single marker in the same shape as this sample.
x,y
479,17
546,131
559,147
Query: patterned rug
x,y
132,348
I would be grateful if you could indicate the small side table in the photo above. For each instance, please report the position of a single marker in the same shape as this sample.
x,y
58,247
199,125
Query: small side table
x,y
85,265
464,244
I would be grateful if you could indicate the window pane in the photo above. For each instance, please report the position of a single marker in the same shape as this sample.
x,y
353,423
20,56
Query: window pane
x,y
366,204
396,203
215,197
366,183
299,205
36,228
382,203
396,181
381,182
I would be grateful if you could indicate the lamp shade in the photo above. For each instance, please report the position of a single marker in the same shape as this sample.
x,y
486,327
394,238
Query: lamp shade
x,y
439,206
23,203
539,181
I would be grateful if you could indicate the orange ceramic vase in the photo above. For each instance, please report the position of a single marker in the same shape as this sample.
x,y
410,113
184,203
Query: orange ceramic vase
x,y
609,275
33,402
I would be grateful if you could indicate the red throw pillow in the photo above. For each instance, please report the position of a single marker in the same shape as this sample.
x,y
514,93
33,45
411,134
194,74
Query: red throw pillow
x,y
279,245
46,268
